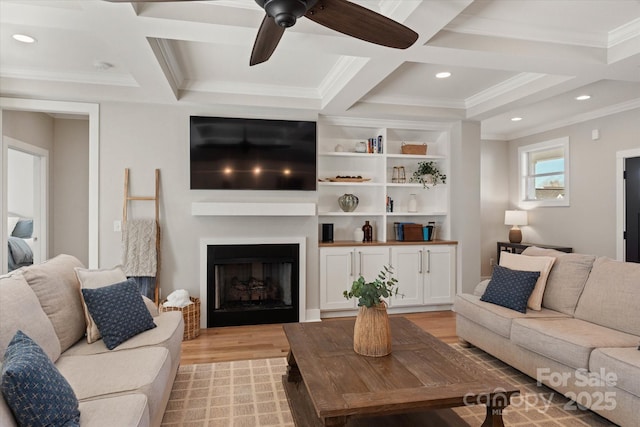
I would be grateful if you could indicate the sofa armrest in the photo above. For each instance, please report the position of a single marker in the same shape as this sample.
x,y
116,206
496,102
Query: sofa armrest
x,y
481,287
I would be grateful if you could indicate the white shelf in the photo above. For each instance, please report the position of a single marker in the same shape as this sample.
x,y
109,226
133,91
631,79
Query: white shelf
x,y
422,213
405,185
416,156
350,154
355,213
350,184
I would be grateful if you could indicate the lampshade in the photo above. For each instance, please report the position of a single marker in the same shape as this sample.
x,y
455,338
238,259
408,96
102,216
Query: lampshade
x,y
515,217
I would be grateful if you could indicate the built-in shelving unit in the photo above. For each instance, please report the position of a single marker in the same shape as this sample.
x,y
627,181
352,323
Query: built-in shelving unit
x,y
335,134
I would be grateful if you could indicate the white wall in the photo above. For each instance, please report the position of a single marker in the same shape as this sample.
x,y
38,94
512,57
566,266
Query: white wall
x,y
20,173
589,224
145,137
465,201
494,199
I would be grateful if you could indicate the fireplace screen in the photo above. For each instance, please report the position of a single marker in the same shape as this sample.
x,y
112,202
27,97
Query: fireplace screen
x,y
256,285
252,284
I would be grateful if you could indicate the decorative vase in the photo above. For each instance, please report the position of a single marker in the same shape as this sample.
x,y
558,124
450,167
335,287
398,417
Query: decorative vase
x,y
428,179
372,332
413,203
348,202
358,235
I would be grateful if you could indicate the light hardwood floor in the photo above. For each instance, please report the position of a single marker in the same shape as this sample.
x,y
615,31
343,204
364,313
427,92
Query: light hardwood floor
x,y
266,341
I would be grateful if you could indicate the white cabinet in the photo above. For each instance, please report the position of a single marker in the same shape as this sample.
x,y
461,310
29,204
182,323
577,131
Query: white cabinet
x,y
340,266
337,139
425,273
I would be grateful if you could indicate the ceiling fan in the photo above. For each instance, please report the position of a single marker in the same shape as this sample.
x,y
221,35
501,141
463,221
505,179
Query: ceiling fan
x,y
339,15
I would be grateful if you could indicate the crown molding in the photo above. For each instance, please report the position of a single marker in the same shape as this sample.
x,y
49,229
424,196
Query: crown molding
x,y
345,68
170,60
97,78
578,118
624,32
502,88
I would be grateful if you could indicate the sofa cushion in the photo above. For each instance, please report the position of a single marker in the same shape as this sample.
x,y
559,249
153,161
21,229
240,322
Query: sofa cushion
x,y
119,312
541,264
568,341
126,410
510,288
141,370
20,310
494,317
58,290
566,279
610,297
34,389
93,279
167,334
623,362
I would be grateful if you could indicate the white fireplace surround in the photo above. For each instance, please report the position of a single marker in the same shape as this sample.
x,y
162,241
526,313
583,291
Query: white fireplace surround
x,y
302,257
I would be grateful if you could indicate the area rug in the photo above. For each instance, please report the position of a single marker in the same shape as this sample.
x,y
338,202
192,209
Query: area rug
x,y
249,393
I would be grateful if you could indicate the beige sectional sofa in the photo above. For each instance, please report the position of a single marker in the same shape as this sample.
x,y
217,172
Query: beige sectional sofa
x,y
584,341
126,386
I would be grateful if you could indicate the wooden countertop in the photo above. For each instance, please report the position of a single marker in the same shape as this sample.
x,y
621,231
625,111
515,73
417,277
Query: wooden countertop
x,y
343,243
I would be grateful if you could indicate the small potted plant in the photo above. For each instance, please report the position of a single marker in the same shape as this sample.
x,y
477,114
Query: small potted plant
x,y
428,174
372,332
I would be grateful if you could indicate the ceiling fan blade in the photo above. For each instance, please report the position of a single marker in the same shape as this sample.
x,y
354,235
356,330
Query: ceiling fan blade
x,y
267,40
362,23
145,1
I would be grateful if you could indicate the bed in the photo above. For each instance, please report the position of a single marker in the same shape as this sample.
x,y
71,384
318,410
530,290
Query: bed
x,y
20,242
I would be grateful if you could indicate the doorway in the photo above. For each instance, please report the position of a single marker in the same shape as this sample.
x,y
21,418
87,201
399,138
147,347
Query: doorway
x,y
91,111
27,203
632,209
628,205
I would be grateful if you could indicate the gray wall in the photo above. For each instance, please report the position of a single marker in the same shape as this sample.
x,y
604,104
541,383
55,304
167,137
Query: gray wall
x,y
588,225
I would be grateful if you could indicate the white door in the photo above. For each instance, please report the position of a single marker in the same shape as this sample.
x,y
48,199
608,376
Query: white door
x,y
26,190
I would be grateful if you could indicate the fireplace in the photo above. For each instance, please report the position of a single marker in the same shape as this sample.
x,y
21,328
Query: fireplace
x,y
248,284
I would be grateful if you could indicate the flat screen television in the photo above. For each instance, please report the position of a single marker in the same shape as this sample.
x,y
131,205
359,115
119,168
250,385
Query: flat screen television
x,y
252,154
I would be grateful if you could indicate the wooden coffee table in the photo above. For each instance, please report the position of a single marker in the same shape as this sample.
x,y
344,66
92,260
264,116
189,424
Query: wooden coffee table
x,y
328,384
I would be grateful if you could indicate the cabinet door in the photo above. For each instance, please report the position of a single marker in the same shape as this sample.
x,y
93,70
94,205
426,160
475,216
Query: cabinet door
x,y
439,274
370,261
337,273
407,268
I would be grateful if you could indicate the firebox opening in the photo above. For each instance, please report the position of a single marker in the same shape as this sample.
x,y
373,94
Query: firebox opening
x,y
252,284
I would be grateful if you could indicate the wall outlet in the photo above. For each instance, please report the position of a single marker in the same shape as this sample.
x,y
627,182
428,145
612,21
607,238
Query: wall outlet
x,y
492,262
117,225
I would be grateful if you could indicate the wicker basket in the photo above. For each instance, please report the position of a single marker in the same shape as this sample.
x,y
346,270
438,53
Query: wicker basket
x,y
191,315
414,148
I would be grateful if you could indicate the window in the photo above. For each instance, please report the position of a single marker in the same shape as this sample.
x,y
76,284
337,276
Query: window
x,y
544,173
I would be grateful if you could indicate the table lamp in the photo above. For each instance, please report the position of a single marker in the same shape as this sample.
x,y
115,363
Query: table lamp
x,y
515,218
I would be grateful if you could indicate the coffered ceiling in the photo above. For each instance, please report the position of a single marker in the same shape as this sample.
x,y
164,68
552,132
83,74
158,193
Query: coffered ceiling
x,y
507,58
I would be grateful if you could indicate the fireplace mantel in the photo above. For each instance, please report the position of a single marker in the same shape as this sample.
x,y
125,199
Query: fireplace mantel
x,y
252,209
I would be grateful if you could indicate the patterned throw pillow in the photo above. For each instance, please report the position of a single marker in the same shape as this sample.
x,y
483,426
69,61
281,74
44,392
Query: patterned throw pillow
x,y
119,312
34,389
510,288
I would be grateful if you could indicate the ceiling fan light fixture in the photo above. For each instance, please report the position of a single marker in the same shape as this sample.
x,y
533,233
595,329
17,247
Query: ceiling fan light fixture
x,y
286,12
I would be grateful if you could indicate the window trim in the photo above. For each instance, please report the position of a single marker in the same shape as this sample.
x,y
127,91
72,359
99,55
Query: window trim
x,y
523,153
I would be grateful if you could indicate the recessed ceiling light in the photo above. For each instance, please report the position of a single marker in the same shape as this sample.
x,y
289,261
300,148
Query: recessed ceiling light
x,y
516,119
443,75
583,97
23,38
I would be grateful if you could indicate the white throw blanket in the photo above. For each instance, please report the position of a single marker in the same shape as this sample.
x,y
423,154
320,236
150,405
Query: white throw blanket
x,y
139,254
178,298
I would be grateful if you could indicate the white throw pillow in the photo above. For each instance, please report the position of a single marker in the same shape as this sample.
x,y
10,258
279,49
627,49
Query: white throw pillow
x,y
542,264
93,279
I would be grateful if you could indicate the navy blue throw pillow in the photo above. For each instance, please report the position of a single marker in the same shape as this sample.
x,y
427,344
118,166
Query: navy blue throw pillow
x,y
510,288
119,312
34,389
